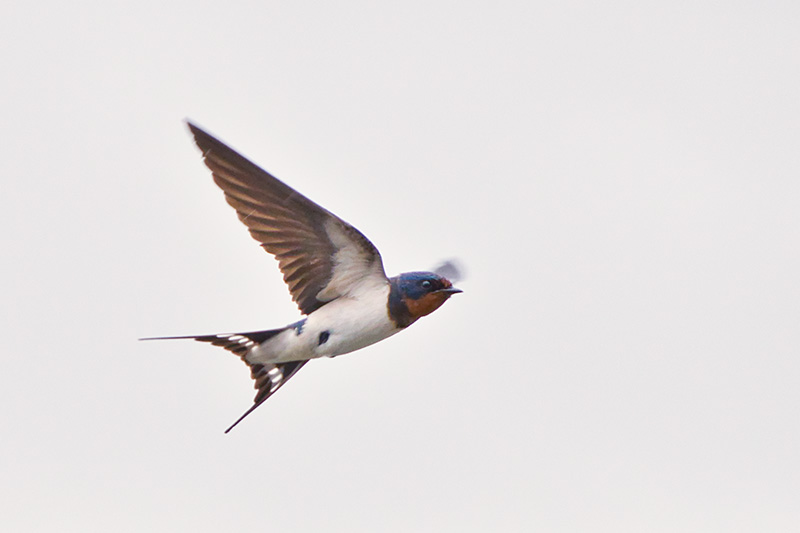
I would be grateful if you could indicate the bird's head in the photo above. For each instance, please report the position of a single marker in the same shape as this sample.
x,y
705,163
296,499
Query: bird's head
x,y
416,294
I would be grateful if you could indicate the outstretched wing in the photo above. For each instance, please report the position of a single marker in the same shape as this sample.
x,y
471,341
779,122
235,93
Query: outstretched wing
x,y
320,255
451,270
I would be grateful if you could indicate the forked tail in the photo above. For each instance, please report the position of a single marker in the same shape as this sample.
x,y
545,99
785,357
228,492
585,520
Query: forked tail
x,y
269,377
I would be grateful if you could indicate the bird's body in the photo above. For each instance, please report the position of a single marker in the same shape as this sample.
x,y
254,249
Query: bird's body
x,y
334,273
344,325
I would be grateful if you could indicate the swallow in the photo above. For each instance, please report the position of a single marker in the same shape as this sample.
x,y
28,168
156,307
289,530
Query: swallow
x,y
334,273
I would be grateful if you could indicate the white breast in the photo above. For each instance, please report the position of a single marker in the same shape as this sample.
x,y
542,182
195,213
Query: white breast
x,y
342,326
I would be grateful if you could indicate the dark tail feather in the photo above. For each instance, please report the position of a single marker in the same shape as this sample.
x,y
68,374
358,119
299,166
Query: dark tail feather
x,y
238,343
269,377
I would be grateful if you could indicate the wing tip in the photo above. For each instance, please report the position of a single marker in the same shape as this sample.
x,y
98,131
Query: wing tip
x,y
192,126
202,138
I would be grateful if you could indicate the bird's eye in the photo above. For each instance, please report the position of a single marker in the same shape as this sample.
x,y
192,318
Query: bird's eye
x,y
426,284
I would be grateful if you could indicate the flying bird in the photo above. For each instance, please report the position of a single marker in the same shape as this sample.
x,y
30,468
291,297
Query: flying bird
x,y
334,273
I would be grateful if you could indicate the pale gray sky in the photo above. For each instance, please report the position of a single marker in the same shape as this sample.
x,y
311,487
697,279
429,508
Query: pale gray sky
x,y
621,180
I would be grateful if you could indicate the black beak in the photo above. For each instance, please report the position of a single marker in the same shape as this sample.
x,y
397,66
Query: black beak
x,y
451,290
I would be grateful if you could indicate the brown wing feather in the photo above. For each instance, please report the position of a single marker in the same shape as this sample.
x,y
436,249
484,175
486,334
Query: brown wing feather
x,y
287,224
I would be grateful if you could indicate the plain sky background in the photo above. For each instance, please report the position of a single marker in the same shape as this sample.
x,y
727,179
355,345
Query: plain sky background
x,y
620,179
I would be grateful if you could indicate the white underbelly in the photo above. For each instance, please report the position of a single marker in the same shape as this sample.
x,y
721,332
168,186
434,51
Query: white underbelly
x,y
340,327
